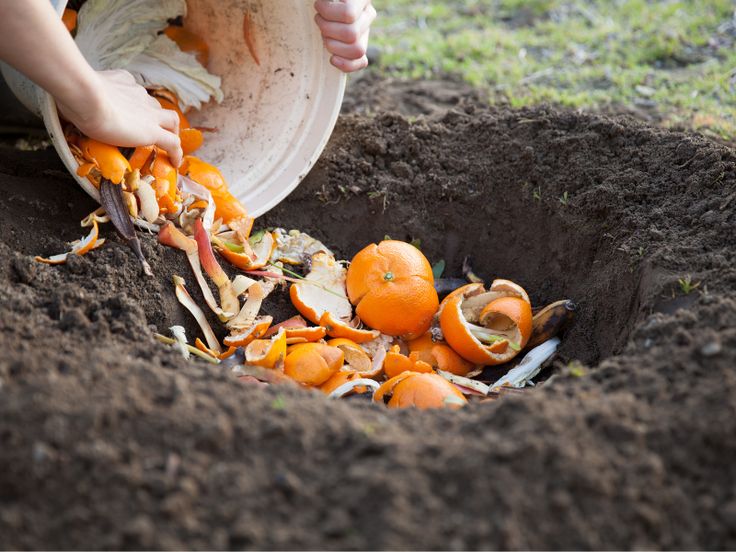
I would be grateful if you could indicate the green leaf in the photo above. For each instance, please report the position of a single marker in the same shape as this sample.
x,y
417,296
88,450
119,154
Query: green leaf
x,y
438,268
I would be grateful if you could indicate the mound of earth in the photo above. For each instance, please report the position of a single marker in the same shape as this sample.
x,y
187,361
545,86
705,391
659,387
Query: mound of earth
x,y
109,439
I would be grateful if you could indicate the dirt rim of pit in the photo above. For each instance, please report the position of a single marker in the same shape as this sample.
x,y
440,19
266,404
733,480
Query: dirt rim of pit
x,y
109,440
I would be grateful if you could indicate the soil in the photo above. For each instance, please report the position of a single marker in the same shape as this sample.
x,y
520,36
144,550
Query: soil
x,y
109,439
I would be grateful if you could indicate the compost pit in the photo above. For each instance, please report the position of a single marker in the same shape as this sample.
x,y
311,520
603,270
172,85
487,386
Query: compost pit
x,y
108,439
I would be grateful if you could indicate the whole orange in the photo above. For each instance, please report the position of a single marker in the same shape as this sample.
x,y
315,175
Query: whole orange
x,y
392,287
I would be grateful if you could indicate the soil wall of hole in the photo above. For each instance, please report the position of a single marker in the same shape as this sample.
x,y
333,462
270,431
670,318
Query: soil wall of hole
x,y
109,440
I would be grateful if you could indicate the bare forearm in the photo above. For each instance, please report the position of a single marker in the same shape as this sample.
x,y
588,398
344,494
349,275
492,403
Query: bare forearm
x,y
34,41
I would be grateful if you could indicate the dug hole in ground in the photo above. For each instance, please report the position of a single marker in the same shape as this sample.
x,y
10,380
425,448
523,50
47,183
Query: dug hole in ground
x,y
109,439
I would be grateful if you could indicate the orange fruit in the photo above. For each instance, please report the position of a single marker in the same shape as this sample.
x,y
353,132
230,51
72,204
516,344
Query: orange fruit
x,y
189,42
392,287
313,363
419,390
506,326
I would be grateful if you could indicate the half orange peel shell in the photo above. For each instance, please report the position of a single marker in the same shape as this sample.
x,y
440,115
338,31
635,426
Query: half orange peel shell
x,y
457,323
313,364
356,358
322,290
267,353
420,390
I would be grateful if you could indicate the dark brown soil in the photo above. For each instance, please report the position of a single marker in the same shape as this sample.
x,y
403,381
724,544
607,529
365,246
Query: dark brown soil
x,y
110,440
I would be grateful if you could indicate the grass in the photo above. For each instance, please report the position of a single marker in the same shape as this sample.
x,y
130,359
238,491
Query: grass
x,y
687,286
674,59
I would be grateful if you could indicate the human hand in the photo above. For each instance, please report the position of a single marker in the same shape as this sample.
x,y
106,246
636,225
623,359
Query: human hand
x,y
117,110
345,27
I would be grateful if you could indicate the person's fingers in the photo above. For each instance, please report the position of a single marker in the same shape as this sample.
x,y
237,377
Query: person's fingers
x,y
341,12
349,65
150,100
120,75
348,51
171,144
169,120
347,33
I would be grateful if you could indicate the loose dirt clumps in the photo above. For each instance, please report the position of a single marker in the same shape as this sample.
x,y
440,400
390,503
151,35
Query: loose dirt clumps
x,y
108,439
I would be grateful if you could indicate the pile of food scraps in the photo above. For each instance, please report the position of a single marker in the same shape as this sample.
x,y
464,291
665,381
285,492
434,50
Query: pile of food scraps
x,y
372,327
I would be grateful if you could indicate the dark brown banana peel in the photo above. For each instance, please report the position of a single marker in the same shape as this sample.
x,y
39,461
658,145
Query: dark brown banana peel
x,y
111,198
551,320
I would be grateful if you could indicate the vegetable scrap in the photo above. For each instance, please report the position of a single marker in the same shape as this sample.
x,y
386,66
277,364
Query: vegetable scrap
x,y
419,352
373,327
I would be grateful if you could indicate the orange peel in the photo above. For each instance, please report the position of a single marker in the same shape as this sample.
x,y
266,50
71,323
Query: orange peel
x,y
79,247
109,161
227,206
313,364
337,328
252,306
191,140
346,382
447,360
189,42
339,378
199,344
422,345
322,290
396,363
267,353
420,390
355,356
254,256
69,18
507,324
243,337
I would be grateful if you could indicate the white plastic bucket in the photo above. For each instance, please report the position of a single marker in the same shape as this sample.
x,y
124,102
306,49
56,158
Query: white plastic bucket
x,y
275,119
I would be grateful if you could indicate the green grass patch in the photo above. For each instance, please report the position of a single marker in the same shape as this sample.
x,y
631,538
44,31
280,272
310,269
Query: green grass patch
x,y
673,58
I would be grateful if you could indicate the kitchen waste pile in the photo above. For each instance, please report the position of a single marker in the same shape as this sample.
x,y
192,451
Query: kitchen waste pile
x,y
372,327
